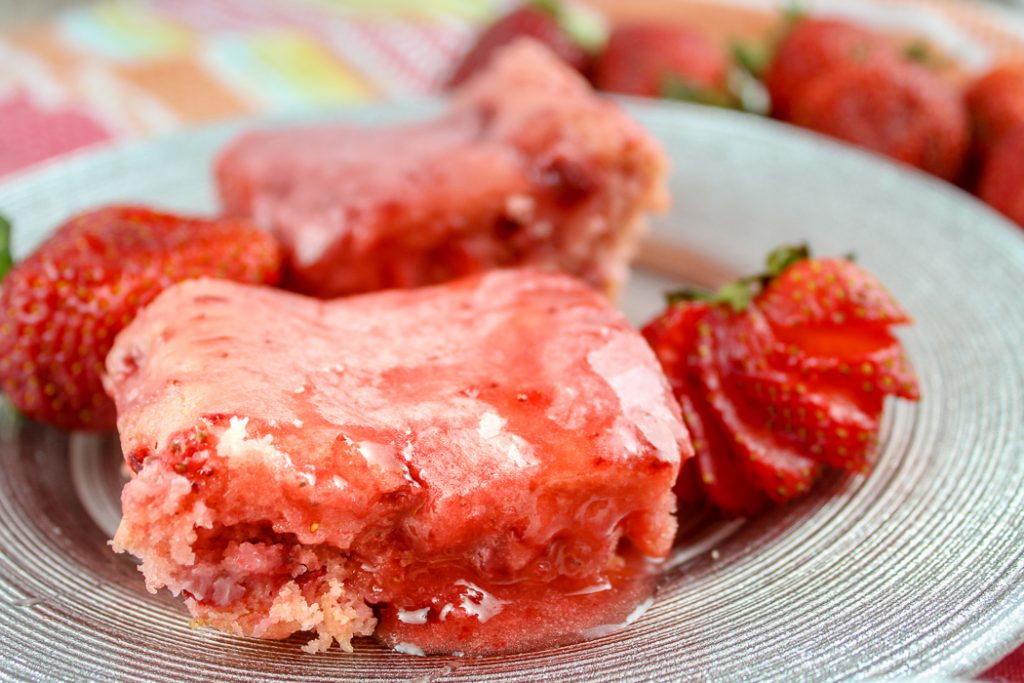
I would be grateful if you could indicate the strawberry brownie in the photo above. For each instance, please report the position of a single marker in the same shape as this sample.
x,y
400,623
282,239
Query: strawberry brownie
x,y
479,466
527,167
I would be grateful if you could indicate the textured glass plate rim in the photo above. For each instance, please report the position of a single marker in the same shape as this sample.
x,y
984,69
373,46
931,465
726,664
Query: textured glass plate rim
x,y
1006,628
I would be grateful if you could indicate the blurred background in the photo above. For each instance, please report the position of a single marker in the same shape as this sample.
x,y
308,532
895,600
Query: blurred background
x,y
76,73
14,11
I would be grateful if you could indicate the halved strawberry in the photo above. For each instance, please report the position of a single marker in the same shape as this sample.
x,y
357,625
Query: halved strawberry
x,y
61,308
827,421
720,472
772,391
773,466
869,361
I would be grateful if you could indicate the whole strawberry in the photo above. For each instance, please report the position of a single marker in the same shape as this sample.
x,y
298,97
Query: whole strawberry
x,y
652,60
61,308
813,47
1002,177
996,105
895,108
781,375
545,22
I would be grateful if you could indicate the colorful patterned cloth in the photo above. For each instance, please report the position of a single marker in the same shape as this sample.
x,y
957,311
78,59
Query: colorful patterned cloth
x,y
124,68
129,68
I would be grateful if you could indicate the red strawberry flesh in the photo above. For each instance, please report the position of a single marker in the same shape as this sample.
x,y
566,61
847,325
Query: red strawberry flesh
x,y
777,469
720,472
826,420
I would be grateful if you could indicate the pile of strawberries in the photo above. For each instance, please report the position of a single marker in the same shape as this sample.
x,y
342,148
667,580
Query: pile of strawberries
x,y
853,84
650,60
830,76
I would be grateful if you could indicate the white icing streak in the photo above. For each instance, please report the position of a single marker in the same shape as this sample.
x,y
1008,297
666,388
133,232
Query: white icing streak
x,y
477,602
605,585
491,425
642,395
605,629
235,444
410,649
413,616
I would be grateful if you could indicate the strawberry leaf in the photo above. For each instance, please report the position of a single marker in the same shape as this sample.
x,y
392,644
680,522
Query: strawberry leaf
x,y
793,12
737,294
919,51
751,57
679,296
740,292
749,91
675,88
552,8
5,247
783,257
584,26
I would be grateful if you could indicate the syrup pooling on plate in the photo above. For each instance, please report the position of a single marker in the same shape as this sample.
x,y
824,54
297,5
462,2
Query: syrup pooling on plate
x,y
521,615
299,461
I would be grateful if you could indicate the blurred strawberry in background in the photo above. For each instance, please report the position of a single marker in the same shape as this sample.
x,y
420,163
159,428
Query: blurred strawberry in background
x,y
894,108
894,95
813,47
564,31
1002,178
996,104
655,60
853,84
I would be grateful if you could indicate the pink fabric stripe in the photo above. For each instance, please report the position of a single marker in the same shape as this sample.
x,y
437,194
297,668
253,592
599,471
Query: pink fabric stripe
x,y
393,55
32,135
